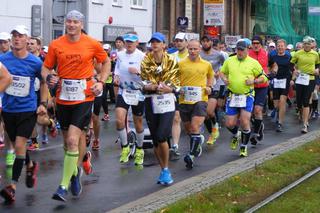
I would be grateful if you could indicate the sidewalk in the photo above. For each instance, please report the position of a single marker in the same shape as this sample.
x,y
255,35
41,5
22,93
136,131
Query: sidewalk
x,y
200,182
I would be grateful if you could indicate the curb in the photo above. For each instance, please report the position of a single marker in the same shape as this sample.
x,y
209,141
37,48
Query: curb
x,y
180,190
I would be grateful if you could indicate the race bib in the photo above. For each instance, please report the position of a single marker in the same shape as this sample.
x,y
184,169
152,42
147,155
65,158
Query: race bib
x,y
131,97
280,83
163,103
73,90
238,101
192,94
303,79
36,84
19,87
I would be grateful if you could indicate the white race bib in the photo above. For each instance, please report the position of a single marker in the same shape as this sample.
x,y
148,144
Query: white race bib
x,y
280,83
19,87
36,84
303,79
192,94
163,103
131,97
73,90
238,101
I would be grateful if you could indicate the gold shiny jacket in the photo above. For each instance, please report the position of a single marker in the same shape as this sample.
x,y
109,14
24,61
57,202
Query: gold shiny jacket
x,y
168,72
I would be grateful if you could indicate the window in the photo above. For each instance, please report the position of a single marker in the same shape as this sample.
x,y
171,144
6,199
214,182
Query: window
x,y
137,3
115,2
97,2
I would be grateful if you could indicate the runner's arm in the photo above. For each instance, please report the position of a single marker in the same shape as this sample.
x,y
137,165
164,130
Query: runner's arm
x,y
105,71
5,78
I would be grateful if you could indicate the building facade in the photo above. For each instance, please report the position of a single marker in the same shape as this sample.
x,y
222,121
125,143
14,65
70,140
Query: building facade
x,y
105,19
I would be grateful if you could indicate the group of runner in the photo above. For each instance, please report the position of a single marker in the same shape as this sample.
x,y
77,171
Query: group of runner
x,y
197,85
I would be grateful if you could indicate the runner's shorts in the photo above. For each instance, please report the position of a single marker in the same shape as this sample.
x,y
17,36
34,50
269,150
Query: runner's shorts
x,y
303,93
78,115
160,125
19,124
277,92
219,94
136,110
260,96
187,111
236,110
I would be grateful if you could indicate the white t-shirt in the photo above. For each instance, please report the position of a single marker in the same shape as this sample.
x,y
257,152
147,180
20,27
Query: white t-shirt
x,y
124,62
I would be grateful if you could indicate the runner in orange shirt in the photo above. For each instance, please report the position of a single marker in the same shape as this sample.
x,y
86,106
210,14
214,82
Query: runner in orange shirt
x,y
72,55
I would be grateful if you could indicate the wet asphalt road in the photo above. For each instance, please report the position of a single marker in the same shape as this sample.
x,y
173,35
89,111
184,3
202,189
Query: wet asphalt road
x,y
111,184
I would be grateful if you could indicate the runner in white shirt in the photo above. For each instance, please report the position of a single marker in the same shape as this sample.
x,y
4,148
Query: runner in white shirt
x,y
127,76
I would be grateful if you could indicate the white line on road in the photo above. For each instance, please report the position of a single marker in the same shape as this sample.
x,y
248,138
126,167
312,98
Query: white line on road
x,y
49,148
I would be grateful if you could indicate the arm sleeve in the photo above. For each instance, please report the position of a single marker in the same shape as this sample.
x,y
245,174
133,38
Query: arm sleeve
x,y
51,58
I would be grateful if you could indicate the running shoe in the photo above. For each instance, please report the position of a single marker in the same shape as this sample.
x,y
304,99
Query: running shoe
x,y
8,193
86,163
279,128
139,156
215,131
53,131
198,151
254,139
106,117
188,159
165,177
75,183
10,158
234,142
304,129
45,139
261,132
175,151
58,126
211,140
60,194
31,176
34,146
124,158
96,145
243,151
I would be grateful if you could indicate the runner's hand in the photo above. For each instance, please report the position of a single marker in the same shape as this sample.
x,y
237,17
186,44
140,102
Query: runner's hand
x,y
97,88
163,88
133,70
52,81
249,82
116,80
208,90
316,72
41,110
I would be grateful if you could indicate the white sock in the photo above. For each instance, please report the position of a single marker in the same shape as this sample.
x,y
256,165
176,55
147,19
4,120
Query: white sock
x,y
140,137
123,137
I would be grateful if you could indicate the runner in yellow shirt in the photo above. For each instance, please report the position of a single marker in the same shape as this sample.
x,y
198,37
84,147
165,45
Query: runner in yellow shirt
x,y
196,84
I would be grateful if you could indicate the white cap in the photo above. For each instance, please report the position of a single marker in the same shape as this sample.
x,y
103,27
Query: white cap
x,y
290,47
181,36
106,46
5,36
21,29
272,44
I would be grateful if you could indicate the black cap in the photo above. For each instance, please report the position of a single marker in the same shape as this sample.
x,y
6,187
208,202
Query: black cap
x,y
120,38
241,45
206,37
256,38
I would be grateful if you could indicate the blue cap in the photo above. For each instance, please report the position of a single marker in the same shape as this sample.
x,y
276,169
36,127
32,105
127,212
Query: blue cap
x,y
130,37
158,36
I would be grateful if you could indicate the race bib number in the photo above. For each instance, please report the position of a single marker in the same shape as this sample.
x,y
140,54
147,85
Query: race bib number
x,y
19,87
280,83
303,79
192,94
36,84
131,97
163,103
73,90
238,100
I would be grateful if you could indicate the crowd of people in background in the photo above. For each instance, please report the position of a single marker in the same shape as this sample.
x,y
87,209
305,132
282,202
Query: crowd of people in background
x,y
197,83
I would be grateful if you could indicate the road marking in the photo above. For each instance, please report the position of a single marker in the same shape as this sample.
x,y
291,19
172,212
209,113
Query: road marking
x,y
49,148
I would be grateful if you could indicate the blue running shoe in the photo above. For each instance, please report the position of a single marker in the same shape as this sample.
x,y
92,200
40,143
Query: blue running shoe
x,y
58,125
165,177
76,187
60,194
45,139
188,159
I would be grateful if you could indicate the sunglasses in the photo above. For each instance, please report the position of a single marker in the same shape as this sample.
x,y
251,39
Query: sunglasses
x,y
255,42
